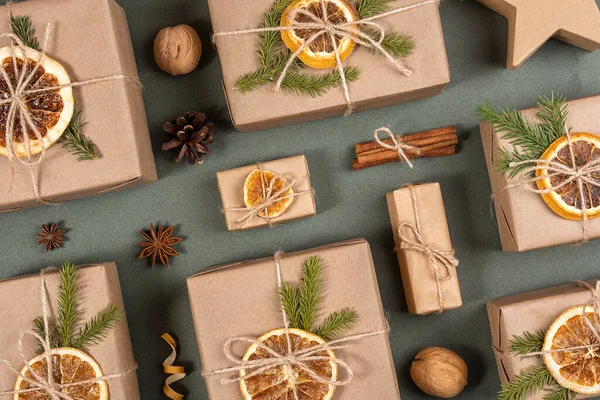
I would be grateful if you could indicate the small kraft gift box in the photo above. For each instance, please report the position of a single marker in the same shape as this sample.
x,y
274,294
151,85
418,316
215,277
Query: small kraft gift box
x,y
287,61
94,101
424,249
538,194
266,193
243,313
76,316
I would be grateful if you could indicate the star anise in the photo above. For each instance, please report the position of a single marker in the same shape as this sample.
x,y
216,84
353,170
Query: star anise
x,y
159,244
51,236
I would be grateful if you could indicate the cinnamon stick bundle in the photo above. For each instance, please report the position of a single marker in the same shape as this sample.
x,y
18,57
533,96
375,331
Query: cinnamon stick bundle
x,y
432,143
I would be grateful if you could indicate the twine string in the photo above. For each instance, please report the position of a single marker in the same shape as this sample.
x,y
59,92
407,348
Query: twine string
x,y
397,145
289,358
583,175
18,94
346,30
45,383
411,238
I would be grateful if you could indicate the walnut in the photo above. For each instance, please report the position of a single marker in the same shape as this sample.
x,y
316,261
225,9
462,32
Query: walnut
x,y
177,49
439,372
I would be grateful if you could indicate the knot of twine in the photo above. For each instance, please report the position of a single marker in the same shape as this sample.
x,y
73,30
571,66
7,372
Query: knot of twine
x,y
269,196
581,174
45,383
17,100
397,144
288,358
437,258
348,30
593,326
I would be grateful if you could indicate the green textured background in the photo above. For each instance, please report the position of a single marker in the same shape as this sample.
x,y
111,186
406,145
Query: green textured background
x,y
350,204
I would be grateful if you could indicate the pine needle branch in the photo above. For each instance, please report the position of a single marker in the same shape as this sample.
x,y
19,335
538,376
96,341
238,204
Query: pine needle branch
x,y
271,41
527,343
38,327
252,81
76,142
337,323
291,304
397,44
553,112
96,329
368,8
317,85
68,314
532,380
309,292
23,28
560,393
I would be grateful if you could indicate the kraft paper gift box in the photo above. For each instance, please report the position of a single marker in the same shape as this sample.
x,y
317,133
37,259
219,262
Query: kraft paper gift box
x,y
416,268
241,299
380,83
529,312
98,288
90,38
524,220
293,169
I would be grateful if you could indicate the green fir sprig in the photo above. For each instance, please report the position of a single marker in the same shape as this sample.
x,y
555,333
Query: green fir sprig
x,y
533,379
302,304
529,139
73,138
76,142
62,332
273,55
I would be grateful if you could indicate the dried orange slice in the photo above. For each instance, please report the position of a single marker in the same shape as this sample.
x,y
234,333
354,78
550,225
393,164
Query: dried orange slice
x,y
69,366
578,369
256,190
277,383
51,111
567,201
320,52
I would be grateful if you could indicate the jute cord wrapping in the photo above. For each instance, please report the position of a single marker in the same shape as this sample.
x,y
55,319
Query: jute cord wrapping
x,y
18,107
581,174
46,383
349,30
290,358
270,196
397,144
443,263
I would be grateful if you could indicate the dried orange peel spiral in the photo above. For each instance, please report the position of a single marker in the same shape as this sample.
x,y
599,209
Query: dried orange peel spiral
x,y
176,373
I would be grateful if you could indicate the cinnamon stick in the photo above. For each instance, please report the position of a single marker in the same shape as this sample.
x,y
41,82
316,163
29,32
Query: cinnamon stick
x,y
413,139
445,151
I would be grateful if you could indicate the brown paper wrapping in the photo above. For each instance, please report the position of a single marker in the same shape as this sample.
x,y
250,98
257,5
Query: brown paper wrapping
x,y
242,299
524,220
530,311
380,84
231,187
417,274
90,38
99,287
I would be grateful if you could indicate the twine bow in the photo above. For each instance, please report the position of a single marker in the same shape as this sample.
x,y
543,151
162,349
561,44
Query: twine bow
x,y
323,26
397,144
269,195
45,383
581,174
411,238
18,94
288,358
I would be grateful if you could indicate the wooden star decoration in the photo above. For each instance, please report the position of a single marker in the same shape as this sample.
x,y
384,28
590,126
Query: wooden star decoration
x,y
532,22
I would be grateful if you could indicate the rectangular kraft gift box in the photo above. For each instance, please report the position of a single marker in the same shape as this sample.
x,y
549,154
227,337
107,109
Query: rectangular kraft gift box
x,y
529,311
90,38
418,277
231,186
379,85
241,299
99,287
524,220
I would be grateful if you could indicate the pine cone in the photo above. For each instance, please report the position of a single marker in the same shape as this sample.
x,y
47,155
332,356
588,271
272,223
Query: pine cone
x,y
191,134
